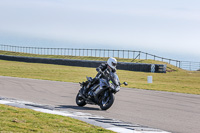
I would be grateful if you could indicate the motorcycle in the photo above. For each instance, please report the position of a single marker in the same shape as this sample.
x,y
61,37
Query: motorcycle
x,y
101,92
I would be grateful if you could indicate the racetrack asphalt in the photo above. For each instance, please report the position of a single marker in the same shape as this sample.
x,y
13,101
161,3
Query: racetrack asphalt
x,y
173,112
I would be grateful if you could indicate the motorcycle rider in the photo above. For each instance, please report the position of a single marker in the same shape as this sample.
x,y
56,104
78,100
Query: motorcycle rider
x,y
110,65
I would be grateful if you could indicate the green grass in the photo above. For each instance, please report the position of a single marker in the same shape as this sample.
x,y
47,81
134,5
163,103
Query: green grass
x,y
14,119
177,81
23,120
169,66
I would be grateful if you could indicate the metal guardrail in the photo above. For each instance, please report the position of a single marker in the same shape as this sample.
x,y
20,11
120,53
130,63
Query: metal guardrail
x,y
126,54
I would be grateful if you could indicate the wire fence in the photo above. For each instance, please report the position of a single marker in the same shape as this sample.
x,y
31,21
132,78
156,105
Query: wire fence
x,y
125,54
188,65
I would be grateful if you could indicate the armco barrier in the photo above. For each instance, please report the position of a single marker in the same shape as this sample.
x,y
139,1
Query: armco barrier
x,y
142,67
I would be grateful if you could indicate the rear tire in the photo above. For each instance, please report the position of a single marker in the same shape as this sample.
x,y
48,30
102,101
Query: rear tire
x,y
80,101
107,102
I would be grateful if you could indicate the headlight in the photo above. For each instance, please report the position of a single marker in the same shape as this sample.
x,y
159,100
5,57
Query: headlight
x,y
117,89
114,87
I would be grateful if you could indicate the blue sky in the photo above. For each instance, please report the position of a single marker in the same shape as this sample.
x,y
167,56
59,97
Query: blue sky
x,y
169,28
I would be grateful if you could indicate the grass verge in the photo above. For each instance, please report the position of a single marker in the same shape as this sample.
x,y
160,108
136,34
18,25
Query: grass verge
x,y
177,81
14,119
169,67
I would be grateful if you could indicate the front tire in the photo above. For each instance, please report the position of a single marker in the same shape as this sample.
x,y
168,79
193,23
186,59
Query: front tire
x,y
80,101
107,101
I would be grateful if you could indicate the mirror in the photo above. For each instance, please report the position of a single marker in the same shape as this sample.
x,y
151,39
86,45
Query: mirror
x,y
125,83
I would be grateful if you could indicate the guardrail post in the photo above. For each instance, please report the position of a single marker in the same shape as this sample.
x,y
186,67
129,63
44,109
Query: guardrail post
x,y
118,53
99,52
133,54
139,54
83,52
146,56
64,51
128,54
199,67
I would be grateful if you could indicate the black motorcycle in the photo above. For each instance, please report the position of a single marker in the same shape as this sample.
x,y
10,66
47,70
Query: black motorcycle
x,y
101,92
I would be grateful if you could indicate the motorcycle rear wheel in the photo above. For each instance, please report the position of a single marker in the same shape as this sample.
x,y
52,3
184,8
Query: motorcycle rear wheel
x,y
107,101
80,101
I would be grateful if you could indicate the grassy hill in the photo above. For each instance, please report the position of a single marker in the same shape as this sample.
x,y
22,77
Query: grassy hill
x,y
170,67
175,80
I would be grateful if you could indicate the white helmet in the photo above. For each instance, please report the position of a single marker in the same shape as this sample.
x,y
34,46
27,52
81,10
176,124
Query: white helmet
x,y
112,62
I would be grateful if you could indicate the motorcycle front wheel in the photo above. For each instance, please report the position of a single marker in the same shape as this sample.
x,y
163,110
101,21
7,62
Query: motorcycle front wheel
x,y
107,100
80,101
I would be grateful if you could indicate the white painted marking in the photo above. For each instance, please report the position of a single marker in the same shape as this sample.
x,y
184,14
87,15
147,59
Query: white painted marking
x,y
53,112
120,130
4,102
85,116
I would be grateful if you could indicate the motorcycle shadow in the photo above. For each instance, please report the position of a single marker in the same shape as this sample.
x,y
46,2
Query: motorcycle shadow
x,y
76,107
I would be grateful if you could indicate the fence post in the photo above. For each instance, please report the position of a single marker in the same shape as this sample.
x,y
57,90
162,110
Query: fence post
x,y
87,52
118,53
139,54
75,51
64,51
199,67
146,56
99,52
128,54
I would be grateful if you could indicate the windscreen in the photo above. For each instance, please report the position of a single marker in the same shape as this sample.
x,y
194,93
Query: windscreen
x,y
114,78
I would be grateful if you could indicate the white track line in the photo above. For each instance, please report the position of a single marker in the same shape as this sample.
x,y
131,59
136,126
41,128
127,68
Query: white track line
x,y
109,124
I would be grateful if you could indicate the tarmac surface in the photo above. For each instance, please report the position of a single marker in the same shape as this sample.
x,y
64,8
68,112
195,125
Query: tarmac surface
x,y
173,112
